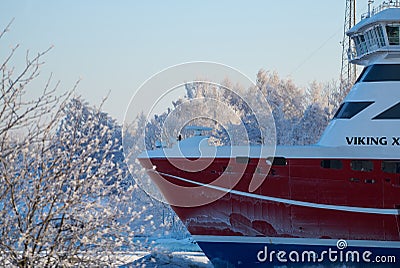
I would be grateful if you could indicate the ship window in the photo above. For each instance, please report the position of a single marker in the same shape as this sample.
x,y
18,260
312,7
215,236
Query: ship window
x,y
226,169
332,163
372,41
381,73
361,76
381,37
392,31
391,113
362,165
242,159
391,167
278,161
349,109
357,45
363,45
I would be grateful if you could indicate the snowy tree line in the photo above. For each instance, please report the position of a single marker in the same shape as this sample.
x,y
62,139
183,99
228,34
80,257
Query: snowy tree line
x,y
300,115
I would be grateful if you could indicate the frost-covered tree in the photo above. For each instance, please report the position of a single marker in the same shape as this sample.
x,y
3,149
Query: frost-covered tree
x,y
311,126
292,107
64,197
300,115
287,102
157,219
205,104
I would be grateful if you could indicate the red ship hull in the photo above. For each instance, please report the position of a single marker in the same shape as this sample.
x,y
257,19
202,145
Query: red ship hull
x,y
299,199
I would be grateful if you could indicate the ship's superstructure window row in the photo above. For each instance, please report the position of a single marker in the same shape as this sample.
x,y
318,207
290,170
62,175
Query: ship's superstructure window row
x,y
380,73
349,109
371,40
391,113
374,38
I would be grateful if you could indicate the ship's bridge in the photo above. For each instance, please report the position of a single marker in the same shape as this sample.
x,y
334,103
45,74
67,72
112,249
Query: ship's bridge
x,y
377,35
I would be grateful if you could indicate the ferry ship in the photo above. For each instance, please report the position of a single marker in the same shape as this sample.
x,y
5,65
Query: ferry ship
x,y
334,202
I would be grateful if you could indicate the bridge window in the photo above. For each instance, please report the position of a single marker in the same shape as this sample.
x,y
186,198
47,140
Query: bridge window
x,y
380,36
363,45
374,38
362,165
392,31
357,44
391,167
372,41
349,109
391,113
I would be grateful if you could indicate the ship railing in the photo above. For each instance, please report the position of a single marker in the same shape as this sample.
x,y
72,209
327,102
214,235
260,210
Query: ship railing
x,y
381,7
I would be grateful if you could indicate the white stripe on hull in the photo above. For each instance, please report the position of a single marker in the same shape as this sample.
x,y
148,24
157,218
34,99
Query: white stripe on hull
x,y
380,211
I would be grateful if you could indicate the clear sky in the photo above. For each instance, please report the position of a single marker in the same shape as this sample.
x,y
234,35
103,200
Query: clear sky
x,y
114,46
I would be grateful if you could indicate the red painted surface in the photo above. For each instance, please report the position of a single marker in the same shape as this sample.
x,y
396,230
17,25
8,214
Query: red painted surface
x,y
300,180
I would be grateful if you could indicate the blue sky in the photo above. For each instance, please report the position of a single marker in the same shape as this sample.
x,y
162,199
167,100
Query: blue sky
x,y
114,46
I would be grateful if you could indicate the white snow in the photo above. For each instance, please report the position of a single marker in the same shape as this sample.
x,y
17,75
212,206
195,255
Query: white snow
x,y
168,252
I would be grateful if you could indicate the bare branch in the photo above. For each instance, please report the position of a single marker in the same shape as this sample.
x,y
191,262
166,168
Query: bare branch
x,y
7,28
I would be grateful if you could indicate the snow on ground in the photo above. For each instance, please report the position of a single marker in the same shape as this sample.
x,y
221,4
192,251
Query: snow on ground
x,y
172,244
169,252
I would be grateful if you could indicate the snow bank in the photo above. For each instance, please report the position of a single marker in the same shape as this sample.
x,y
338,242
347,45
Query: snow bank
x,y
169,252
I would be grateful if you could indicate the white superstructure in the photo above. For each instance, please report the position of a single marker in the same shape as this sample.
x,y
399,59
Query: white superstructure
x,y
370,114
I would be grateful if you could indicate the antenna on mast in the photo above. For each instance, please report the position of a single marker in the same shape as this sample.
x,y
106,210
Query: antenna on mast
x,y
370,2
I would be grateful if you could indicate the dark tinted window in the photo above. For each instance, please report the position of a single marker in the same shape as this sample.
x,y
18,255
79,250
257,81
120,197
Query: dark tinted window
x,y
362,74
391,166
331,163
362,165
381,73
349,109
393,34
391,113
242,159
277,161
